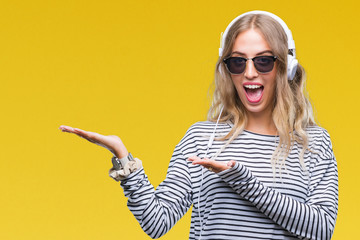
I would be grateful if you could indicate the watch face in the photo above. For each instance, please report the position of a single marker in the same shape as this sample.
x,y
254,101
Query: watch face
x,y
116,163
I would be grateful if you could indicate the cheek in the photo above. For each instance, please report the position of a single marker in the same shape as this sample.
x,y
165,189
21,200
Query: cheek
x,y
236,80
271,87
270,79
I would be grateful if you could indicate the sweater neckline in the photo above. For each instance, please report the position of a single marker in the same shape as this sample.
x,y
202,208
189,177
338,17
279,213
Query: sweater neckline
x,y
254,134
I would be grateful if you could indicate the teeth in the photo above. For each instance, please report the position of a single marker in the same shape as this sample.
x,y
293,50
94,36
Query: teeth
x,y
252,86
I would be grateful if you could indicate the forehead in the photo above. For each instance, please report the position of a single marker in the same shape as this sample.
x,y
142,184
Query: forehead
x,y
250,43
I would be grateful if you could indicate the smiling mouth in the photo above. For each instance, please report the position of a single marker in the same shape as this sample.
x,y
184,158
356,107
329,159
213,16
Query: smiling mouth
x,y
254,92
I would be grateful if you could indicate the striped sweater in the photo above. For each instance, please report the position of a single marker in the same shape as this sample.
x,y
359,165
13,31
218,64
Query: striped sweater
x,y
245,201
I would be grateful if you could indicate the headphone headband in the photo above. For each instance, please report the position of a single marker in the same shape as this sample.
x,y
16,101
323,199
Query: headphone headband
x,y
292,62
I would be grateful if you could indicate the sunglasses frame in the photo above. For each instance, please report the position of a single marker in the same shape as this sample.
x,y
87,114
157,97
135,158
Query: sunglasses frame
x,y
252,59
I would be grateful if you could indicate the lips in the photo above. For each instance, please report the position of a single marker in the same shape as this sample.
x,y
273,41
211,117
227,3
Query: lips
x,y
253,92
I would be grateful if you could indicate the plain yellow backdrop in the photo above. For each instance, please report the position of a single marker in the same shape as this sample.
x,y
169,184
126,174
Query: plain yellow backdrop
x,y
142,70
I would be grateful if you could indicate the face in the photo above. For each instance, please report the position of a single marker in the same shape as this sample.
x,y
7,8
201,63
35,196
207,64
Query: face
x,y
256,90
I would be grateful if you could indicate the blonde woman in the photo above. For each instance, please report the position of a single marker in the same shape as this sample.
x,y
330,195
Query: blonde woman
x,y
260,168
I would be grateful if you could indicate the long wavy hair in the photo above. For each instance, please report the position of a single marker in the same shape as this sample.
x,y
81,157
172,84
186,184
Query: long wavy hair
x,y
292,111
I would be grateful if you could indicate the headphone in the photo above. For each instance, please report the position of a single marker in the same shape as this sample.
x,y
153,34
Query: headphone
x,y
292,62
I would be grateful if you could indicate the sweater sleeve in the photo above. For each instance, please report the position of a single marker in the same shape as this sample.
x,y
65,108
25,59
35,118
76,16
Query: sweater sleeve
x,y
313,219
158,210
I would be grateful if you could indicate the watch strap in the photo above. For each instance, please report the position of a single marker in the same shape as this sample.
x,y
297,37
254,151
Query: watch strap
x,y
119,163
120,172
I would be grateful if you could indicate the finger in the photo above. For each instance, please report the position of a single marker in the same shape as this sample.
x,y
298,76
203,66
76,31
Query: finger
x,y
66,129
90,136
231,163
81,133
212,165
193,158
205,164
201,161
198,161
208,163
196,158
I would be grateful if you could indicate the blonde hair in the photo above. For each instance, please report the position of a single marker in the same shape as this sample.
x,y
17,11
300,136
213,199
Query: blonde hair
x,y
292,111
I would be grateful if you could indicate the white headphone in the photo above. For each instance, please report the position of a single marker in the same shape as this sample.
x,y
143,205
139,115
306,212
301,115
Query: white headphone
x,y
292,62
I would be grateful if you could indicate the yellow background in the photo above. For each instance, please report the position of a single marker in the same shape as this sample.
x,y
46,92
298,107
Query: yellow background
x,y
142,70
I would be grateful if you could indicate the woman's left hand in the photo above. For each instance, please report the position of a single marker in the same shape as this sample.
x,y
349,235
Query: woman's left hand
x,y
210,164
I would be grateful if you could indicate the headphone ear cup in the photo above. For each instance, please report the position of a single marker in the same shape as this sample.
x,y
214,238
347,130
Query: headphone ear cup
x,y
291,67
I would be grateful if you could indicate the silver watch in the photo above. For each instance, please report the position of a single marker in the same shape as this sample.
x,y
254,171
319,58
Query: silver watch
x,y
120,163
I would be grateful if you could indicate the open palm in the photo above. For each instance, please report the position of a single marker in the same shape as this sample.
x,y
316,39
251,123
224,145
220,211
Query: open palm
x,y
112,143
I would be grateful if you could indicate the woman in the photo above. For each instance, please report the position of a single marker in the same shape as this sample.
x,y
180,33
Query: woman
x,y
263,170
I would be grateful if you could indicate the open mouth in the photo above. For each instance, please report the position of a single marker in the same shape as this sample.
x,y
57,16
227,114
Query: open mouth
x,y
254,92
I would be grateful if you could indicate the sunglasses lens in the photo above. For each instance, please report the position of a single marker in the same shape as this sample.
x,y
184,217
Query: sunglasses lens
x,y
264,63
236,65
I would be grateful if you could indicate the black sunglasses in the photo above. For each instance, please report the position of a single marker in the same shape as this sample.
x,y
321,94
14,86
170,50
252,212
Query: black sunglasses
x,y
237,65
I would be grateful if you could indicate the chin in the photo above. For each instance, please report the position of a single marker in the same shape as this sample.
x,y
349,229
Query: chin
x,y
256,108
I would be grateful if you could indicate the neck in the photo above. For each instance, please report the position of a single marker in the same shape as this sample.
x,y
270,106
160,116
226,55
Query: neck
x,y
261,123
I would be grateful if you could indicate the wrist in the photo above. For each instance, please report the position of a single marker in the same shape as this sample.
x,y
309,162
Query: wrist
x,y
119,163
121,154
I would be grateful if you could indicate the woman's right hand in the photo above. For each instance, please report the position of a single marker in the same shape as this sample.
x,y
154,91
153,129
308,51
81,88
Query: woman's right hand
x,y
112,143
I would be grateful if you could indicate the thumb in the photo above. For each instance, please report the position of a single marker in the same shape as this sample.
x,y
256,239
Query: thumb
x,y
231,163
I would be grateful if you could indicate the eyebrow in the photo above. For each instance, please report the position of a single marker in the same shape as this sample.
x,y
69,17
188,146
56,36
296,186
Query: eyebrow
x,y
259,53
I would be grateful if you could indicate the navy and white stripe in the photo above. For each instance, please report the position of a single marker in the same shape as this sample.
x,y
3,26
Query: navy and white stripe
x,y
246,201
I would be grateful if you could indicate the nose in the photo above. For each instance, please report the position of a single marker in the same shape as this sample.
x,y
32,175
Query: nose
x,y
250,70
